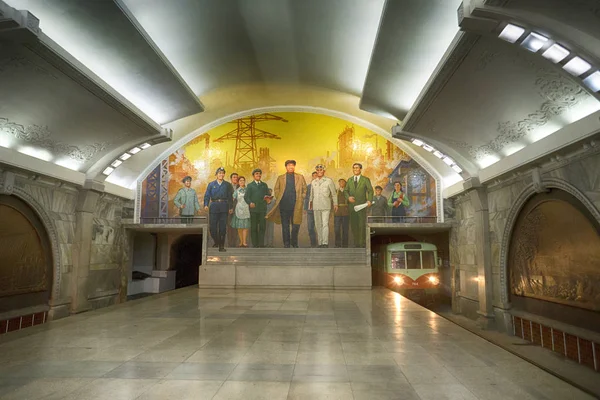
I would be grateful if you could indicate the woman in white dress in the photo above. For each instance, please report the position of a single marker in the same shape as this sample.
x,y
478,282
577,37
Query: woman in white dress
x,y
241,216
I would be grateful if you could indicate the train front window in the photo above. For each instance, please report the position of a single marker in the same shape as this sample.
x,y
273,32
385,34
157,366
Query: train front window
x,y
413,259
398,260
428,259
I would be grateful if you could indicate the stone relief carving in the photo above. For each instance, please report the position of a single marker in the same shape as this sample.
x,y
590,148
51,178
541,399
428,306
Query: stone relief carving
x,y
561,94
41,136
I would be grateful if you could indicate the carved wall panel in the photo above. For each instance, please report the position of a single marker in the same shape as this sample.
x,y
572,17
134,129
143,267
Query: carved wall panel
x,y
23,261
555,255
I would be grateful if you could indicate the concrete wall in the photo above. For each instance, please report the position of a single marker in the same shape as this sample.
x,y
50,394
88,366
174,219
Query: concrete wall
x,y
576,174
144,253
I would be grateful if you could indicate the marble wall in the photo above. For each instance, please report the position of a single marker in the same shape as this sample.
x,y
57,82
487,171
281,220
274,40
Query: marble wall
x,y
577,173
56,203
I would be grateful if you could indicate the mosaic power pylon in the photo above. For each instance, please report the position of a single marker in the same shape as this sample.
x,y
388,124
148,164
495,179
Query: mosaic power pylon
x,y
245,135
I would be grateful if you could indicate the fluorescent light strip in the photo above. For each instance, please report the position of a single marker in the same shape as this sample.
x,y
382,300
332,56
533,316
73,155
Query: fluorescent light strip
x,y
125,156
427,148
457,168
577,66
417,142
593,81
145,146
556,53
438,154
135,150
511,33
116,163
108,170
448,161
534,41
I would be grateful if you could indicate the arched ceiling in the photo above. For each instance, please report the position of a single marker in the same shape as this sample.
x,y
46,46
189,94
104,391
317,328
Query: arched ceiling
x,y
97,78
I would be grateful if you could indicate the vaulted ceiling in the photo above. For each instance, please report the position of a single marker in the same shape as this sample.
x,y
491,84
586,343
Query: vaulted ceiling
x,y
82,82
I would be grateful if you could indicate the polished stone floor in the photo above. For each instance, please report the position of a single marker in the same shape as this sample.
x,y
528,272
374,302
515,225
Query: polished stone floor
x,y
267,344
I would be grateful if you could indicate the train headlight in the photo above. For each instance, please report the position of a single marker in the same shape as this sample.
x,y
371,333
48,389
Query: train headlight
x,y
398,280
434,280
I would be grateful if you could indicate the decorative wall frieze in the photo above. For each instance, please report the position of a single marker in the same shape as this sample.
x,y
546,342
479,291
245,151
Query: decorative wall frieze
x,y
561,94
8,183
42,137
513,214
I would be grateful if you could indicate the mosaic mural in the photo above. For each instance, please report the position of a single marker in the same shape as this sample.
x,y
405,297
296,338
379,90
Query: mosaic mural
x,y
267,140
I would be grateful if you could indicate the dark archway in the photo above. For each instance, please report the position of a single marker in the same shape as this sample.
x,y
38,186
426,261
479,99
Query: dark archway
x,y
186,259
26,272
554,260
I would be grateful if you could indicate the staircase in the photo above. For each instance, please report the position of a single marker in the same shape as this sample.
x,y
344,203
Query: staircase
x,y
299,257
301,268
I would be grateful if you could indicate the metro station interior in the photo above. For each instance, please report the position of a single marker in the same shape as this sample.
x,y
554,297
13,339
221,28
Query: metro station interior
x,y
437,163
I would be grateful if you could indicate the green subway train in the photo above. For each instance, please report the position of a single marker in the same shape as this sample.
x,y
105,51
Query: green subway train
x,y
411,269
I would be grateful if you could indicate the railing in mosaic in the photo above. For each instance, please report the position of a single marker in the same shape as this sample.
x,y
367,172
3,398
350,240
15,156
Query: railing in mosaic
x,y
173,221
401,220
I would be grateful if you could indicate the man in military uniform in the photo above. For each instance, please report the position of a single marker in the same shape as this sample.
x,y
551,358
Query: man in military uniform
x,y
257,196
218,199
186,200
341,221
359,191
321,196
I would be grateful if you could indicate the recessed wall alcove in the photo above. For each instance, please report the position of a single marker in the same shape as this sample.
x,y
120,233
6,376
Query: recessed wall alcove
x,y
554,260
26,272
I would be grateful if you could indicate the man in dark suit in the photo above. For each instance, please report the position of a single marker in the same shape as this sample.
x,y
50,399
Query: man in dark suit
x,y
341,219
257,196
358,191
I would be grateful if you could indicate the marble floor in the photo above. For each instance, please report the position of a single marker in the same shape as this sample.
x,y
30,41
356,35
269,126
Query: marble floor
x,y
265,344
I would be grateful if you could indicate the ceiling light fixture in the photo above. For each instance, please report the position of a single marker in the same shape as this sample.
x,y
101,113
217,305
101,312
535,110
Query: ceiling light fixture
x,y
108,170
417,142
116,163
556,53
593,81
577,66
511,33
438,154
135,150
427,147
125,156
457,168
534,41
145,146
448,161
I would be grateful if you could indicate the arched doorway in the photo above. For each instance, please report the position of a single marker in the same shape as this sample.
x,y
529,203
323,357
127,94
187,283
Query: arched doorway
x,y
26,272
554,260
186,258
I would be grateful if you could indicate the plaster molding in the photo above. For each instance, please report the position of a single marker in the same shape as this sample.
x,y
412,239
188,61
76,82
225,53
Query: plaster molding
x,y
42,137
50,230
99,89
561,94
513,214
458,51
21,64
303,109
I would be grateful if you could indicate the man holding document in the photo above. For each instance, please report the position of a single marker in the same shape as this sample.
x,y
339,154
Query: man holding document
x,y
359,192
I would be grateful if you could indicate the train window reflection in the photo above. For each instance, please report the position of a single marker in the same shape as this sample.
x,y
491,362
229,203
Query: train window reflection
x,y
413,259
428,260
398,260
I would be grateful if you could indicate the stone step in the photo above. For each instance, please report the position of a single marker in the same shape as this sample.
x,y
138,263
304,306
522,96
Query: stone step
x,y
289,251
291,263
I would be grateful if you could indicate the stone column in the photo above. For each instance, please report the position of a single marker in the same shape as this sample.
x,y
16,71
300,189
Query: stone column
x,y
163,251
81,249
483,256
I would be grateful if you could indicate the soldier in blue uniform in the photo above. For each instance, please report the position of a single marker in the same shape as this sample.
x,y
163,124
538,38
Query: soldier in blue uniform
x,y
218,199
